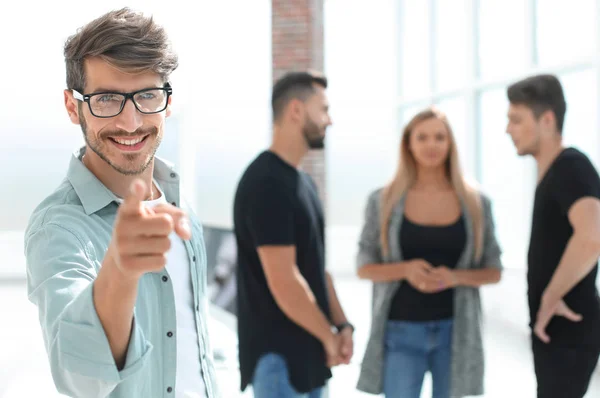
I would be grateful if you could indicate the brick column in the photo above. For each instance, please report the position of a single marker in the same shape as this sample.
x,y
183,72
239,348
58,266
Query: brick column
x,y
297,44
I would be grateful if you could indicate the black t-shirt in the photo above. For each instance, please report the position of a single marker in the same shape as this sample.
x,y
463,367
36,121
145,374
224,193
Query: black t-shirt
x,y
275,204
439,245
569,178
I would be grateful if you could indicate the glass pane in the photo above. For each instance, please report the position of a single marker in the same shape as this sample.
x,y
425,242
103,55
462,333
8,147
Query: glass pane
x,y
581,127
455,109
414,50
451,44
507,179
566,30
502,37
364,113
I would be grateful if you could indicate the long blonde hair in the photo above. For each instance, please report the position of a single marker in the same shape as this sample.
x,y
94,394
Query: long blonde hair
x,y
406,176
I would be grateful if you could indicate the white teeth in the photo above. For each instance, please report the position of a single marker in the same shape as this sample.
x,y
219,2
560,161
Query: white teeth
x,y
128,142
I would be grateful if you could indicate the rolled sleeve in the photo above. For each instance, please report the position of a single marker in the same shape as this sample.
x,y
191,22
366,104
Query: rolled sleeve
x,y
492,252
60,278
369,248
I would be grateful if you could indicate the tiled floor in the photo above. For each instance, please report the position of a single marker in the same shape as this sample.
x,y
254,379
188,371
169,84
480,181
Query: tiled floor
x,y
509,371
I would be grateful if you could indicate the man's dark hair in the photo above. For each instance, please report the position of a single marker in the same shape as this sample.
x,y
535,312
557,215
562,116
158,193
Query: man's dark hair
x,y
540,93
294,85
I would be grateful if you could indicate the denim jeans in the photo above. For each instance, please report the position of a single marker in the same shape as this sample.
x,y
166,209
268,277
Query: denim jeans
x,y
413,349
271,380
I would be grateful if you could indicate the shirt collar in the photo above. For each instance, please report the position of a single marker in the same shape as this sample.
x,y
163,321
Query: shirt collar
x,y
95,196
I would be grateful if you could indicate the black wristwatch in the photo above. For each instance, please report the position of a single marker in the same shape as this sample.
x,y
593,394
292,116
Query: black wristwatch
x,y
344,325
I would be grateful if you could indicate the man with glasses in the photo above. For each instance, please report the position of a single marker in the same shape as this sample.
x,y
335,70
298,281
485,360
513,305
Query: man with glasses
x,y
115,266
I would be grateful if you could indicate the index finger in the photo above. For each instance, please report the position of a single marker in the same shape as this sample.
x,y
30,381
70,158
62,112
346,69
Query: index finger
x,y
133,201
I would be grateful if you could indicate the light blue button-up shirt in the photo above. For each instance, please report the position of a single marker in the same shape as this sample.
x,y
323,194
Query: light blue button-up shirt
x,y
65,243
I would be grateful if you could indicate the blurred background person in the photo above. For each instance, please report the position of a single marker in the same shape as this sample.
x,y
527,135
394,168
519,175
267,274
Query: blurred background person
x,y
292,329
565,241
427,244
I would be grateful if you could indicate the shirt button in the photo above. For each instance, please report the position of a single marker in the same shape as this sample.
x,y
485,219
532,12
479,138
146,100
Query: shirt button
x,y
173,175
194,259
169,334
165,278
169,389
174,204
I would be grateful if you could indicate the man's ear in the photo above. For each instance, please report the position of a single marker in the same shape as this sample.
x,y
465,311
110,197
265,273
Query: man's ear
x,y
296,110
168,110
72,106
549,120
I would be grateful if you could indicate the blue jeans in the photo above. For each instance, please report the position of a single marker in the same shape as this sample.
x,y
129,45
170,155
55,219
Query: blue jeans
x,y
271,380
411,350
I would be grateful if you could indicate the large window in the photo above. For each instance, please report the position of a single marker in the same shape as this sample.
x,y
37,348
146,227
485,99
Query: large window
x,y
387,60
581,127
461,55
415,31
503,30
451,24
566,31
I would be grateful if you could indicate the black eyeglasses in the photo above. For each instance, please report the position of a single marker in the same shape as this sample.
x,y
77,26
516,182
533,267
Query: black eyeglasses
x,y
110,104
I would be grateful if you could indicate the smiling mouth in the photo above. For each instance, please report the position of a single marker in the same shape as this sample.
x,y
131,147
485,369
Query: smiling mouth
x,y
129,143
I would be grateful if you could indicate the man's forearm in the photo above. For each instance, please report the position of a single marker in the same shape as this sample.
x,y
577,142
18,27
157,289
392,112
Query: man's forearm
x,y
114,300
577,261
337,313
297,301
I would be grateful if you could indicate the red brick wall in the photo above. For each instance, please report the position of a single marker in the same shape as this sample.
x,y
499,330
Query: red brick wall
x,y
297,44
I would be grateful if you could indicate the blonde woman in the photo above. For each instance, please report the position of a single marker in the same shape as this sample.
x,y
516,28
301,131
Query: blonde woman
x,y
427,244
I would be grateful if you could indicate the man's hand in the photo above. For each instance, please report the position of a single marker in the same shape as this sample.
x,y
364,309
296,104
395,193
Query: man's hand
x,y
333,347
419,275
445,276
347,345
140,238
550,307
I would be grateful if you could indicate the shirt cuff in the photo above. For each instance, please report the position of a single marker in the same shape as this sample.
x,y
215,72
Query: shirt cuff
x,y
84,347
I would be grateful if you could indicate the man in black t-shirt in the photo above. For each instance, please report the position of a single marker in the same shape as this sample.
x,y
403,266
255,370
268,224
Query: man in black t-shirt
x,y
565,242
291,326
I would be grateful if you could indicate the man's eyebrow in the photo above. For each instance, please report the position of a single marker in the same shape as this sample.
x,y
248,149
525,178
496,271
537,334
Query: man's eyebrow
x,y
113,90
103,90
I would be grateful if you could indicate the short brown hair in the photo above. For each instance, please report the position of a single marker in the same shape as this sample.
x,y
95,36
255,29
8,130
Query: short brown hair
x,y
294,85
126,39
540,93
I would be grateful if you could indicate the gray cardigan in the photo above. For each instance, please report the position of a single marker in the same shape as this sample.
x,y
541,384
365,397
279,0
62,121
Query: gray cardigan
x,y
467,347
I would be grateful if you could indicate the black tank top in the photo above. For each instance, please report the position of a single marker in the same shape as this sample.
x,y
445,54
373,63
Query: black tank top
x,y
438,245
